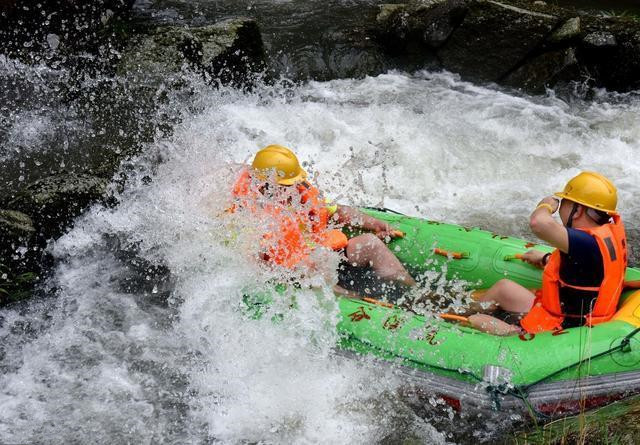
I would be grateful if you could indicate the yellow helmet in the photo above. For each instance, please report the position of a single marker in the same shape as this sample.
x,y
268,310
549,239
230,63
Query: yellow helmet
x,y
593,190
283,160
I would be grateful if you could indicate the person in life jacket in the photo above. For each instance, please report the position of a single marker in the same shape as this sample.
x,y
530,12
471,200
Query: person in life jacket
x,y
298,219
583,277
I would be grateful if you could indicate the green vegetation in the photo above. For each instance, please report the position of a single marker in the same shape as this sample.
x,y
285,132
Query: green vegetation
x,y
15,287
619,14
618,423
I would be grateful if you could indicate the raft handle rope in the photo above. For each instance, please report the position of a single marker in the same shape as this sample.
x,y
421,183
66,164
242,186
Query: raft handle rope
x,y
522,392
494,390
624,346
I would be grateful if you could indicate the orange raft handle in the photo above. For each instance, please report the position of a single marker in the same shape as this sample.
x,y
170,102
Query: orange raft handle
x,y
378,302
447,253
453,317
517,256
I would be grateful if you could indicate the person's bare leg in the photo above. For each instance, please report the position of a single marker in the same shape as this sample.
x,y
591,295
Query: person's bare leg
x,y
473,307
487,323
368,250
346,292
509,295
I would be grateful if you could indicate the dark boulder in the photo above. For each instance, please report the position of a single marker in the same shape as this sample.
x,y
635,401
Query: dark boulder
x,y
550,68
612,58
494,39
519,43
228,51
29,27
419,26
600,40
15,227
568,31
18,256
16,235
53,202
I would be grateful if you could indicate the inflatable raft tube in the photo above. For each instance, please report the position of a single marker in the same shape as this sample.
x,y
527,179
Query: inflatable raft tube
x,y
548,374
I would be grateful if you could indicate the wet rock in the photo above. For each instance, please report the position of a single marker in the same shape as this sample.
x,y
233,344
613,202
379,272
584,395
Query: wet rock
x,y
228,51
612,59
419,25
600,40
545,71
17,233
568,31
15,226
519,43
54,202
27,28
494,39
444,18
18,269
387,10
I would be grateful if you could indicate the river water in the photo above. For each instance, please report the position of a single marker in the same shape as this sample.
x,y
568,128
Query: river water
x,y
138,336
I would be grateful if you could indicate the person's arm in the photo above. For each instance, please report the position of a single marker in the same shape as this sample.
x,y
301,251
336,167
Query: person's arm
x,y
546,228
355,218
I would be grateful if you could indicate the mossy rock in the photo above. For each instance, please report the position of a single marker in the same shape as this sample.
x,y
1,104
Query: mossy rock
x,y
53,202
169,49
15,225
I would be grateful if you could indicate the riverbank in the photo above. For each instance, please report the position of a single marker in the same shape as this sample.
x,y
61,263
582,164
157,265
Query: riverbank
x,y
527,45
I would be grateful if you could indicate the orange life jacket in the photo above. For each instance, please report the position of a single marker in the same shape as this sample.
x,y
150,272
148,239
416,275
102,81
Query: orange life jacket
x,y
290,235
546,313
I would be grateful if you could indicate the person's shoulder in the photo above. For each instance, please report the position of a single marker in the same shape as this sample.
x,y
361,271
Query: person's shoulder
x,y
581,242
581,235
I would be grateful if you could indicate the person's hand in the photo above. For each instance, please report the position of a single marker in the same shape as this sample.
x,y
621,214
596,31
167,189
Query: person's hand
x,y
384,231
534,257
552,201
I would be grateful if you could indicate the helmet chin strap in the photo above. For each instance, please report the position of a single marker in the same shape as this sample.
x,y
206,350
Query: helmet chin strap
x,y
574,209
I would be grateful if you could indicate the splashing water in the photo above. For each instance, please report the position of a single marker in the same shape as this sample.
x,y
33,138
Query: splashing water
x,y
142,336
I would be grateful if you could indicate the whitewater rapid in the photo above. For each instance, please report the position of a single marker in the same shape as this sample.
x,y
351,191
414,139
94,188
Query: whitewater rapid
x,y
140,337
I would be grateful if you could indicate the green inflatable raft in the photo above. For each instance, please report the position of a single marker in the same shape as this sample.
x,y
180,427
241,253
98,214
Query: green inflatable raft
x,y
548,374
